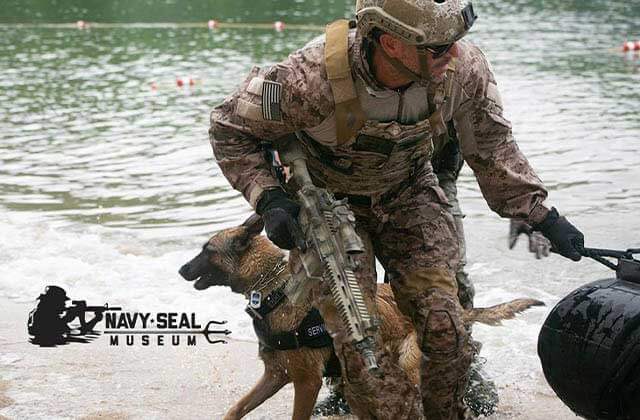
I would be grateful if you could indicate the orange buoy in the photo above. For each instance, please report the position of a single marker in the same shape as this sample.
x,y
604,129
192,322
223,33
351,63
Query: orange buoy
x,y
631,46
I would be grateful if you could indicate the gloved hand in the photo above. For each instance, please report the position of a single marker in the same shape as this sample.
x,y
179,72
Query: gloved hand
x,y
280,214
538,244
565,238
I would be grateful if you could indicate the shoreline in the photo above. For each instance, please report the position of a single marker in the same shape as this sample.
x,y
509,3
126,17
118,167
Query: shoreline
x,y
98,381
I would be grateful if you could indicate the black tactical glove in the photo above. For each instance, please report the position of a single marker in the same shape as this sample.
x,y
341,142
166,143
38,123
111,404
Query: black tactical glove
x,y
280,214
538,244
565,238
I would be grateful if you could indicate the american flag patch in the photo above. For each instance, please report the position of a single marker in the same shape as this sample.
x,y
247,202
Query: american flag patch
x,y
271,94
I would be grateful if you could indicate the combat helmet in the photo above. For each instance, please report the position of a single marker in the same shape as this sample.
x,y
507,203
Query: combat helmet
x,y
417,22
53,294
432,25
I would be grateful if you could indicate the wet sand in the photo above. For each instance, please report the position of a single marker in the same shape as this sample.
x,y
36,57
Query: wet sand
x,y
99,381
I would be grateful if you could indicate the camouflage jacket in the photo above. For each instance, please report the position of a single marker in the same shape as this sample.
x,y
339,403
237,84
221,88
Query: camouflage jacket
x,y
304,101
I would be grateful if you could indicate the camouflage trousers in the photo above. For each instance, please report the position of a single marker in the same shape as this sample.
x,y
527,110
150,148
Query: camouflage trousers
x,y
413,235
466,291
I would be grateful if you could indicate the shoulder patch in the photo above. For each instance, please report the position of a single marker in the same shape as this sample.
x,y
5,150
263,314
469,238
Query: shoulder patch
x,y
271,97
248,110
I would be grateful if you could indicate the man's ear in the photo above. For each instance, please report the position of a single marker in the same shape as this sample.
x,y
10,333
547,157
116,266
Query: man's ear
x,y
391,45
254,225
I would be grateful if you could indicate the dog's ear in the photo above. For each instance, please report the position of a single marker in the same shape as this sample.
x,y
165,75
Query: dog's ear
x,y
254,225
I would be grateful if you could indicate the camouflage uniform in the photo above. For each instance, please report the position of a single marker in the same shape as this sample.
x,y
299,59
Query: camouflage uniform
x,y
386,173
447,162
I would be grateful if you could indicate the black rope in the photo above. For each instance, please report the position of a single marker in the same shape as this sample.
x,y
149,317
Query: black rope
x,y
600,254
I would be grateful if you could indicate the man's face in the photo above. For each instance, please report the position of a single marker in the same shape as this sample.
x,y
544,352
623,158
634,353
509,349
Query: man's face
x,y
437,66
408,55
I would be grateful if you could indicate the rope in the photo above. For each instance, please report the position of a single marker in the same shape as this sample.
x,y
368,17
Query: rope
x,y
159,25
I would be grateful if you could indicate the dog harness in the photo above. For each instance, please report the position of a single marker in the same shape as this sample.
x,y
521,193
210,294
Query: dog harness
x,y
310,333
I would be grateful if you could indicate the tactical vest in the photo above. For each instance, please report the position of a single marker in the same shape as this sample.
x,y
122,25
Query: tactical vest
x,y
370,155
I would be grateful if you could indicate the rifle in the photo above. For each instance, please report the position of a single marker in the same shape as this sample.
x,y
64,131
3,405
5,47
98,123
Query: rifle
x,y
81,306
327,246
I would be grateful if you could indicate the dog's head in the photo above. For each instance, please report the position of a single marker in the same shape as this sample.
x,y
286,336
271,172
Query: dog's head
x,y
232,257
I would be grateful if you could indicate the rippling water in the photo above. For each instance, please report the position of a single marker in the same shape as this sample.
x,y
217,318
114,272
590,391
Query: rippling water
x,y
107,185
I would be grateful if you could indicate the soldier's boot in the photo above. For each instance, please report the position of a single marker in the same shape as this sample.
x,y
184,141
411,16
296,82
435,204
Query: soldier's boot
x,y
482,394
446,349
335,403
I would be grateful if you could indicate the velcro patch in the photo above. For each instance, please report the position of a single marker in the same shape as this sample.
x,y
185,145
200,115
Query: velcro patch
x,y
255,86
271,96
246,109
494,94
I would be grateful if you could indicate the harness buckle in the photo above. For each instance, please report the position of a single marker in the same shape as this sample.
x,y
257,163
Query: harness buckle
x,y
253,313
255,299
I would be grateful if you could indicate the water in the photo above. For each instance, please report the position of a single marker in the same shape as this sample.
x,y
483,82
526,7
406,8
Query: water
x,y
107,186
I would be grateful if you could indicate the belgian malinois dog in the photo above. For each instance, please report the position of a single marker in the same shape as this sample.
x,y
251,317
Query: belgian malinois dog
x,y
246,261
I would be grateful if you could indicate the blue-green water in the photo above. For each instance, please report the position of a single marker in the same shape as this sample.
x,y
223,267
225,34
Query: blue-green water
x,y
107,185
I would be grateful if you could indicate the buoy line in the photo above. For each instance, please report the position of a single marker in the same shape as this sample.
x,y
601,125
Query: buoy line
x,y
211,24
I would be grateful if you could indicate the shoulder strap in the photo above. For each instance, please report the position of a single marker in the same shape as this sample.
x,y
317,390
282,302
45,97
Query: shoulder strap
x,y
349,114
437,97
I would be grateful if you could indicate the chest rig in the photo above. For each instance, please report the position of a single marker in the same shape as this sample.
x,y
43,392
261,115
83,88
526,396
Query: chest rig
x,y
370,155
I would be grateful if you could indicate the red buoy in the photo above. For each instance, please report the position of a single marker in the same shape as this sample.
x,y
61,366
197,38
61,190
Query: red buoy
x,y
179,82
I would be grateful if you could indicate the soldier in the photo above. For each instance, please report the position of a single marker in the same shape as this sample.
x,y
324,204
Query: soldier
x,y
48,325
481,394
367,103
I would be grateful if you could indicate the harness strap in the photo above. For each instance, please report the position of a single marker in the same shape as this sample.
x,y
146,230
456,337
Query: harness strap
x,y
348,111
268,304
437,96
310,333
397,64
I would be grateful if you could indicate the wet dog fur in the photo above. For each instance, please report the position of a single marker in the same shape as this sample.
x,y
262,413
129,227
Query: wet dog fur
x,y
237,257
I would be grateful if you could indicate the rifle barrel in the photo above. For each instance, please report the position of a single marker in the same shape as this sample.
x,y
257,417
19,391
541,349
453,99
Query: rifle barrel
x,y
102,308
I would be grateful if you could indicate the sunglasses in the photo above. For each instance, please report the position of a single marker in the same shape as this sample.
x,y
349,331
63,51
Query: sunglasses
x,y
438,50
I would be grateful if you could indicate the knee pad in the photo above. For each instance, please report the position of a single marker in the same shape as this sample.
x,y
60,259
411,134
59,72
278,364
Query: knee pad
x,y
443,331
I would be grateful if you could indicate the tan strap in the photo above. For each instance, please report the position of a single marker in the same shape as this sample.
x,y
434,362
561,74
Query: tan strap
x,y
437,96
451,69
349,114
438,127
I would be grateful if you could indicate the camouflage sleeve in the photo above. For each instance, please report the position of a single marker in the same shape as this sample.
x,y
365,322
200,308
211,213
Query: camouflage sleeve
x,y
270,103
507,181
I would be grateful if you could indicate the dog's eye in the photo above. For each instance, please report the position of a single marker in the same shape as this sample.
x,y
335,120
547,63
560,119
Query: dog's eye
x,y
208,248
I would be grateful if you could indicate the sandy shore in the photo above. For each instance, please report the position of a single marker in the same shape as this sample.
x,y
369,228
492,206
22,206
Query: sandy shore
x,y
99,381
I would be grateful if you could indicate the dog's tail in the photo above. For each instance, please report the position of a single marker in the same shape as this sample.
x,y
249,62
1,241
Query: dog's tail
x,y
495,314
